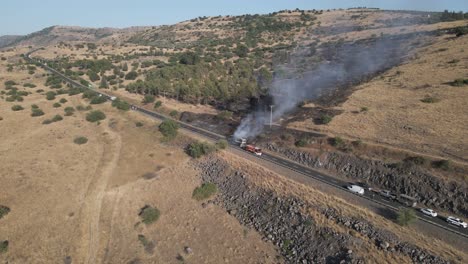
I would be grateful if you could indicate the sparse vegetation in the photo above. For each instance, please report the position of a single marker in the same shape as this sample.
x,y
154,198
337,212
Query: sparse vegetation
x,y
222,144
37,112
80,140
69,110
50,95
198,149
98,100
173,113
169,129
224,115
430,100
337,142
301,143
4,210
17,108
205,191
83,108
139,124
441,164
4,246
459,82
406,216
63,100
56,105
157,104
149,214
415,160
148,99
95,116
325,119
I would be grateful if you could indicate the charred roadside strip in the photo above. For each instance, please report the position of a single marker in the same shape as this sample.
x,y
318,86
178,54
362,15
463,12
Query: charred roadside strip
x,y
285,163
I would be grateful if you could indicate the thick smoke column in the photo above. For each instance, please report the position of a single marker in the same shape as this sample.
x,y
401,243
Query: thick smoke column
x,y
347,63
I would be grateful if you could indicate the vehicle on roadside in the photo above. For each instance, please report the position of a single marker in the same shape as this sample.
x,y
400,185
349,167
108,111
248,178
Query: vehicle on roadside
x,y
456,221
356,189
364,185
387,194
428,212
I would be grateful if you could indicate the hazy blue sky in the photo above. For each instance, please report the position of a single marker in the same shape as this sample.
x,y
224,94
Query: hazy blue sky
x,y
26,16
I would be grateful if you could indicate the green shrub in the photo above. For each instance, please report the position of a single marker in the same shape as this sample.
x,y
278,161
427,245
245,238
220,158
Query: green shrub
x,y
3,246
325,119
47,121
415,160
37,112
301,143
138,124
83,108
131,75
198,149
98,100
337,142
29,85
34,106
173,113
205,191
4,210
80,140
149,214
406,216
222,144
69,110
441,164
56,105
224,115
17,108
63,100
169,128
95,116
121,105
148,99
157,104
50,95
430,100
57,118
459,82
364,109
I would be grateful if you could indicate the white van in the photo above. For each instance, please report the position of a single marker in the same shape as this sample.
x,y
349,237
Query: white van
x,y
356,189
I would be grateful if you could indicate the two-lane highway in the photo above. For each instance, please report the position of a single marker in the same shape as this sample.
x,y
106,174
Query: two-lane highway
x,y
280,161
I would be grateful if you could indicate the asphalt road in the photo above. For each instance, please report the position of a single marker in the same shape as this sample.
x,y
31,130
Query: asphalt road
x,y
439,221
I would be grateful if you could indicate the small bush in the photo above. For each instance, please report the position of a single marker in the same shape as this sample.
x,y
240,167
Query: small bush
x,y
98,100
95,116
83,108
4,210
441,164
301,143
121,105
63,100
57,118
80,140
364,109
205,191
406,216
459,82
149,214
169,128
415,160
47,121
173,113
224,115
29,85
430,100
34,106
37,112
69,110
221,144
56,105
138,124
50,95
148,99
3,246
17,108
337,142
198,149
325,119
157,104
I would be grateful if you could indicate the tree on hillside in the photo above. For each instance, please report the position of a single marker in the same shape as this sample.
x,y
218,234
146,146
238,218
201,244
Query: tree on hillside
x,y
241,50
125,67
104,82
131,75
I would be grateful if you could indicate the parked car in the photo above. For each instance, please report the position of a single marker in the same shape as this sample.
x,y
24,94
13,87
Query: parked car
x,y
387,194
456,221
356,189
428,212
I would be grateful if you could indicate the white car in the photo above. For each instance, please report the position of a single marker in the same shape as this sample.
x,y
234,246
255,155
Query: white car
x,y
428,212
356,189
456,221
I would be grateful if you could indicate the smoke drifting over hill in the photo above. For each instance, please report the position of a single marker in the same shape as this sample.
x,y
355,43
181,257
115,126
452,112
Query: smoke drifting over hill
x,y
342,65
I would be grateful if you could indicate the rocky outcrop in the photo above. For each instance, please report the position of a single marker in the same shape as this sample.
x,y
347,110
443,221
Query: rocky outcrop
x,y
428,189
282,221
